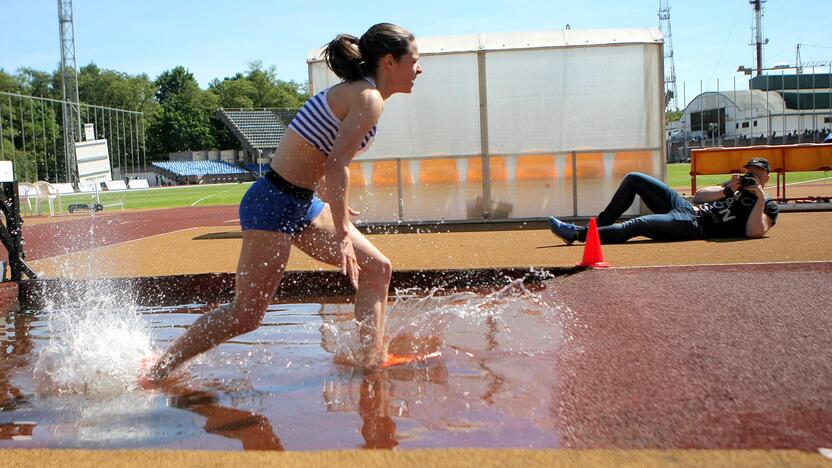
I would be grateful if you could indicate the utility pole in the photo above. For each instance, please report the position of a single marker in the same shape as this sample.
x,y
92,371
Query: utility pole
x,y
669,67
757,30
69,83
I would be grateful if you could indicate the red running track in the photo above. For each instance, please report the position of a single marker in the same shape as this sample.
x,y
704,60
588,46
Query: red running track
x,y
721,357
85,232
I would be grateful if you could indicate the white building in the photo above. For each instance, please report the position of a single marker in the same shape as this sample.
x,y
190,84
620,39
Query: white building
x,y
776,106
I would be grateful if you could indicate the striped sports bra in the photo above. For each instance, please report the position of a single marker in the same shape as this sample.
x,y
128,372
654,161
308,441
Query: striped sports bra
x,y
317,124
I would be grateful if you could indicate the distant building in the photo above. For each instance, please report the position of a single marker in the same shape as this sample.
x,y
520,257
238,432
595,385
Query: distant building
x,y
776,105
258,130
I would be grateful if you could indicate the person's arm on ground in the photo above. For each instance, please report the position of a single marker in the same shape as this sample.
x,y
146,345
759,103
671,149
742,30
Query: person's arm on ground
x,y
717,192
758,221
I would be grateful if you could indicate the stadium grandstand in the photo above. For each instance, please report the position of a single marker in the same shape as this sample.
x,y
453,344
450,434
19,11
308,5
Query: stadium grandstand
x,y
258,130
189,172
256,168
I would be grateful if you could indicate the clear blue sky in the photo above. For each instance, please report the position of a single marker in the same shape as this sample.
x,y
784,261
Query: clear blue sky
x,y
218,39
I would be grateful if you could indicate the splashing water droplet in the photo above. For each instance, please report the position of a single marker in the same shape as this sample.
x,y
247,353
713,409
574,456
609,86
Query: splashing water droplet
x,y
416,326
95,347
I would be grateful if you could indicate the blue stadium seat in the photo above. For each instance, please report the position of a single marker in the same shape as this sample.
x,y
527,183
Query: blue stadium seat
x,y
199,168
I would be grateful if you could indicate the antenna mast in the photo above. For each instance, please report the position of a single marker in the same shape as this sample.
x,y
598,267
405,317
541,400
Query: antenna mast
x,y
69,83
669,67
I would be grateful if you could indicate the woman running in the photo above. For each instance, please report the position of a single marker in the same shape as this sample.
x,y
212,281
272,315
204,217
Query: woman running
x,y
282,208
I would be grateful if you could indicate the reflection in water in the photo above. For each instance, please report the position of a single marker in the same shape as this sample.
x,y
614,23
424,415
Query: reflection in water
x,y
253,430
492,386
378,427
15,352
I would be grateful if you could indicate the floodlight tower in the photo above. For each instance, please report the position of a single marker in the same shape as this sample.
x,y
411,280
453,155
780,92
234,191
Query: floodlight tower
x,y
669,67
69,83
757,31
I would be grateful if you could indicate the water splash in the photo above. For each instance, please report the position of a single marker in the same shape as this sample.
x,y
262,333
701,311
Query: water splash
x,y
417,325
94,347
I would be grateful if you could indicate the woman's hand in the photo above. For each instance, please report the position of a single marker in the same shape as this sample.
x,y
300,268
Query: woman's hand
x,y
352,211
349,263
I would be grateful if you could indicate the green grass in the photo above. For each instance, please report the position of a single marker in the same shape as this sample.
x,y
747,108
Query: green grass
x,y
168,197
678,176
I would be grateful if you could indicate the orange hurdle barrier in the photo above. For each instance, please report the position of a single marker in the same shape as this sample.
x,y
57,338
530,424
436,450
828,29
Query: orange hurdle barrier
x,y
782,158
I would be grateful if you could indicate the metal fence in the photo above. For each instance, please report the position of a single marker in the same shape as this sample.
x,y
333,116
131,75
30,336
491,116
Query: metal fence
x,y
787,108
32,135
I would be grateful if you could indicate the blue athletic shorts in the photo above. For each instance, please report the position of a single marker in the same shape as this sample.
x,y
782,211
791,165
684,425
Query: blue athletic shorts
x,y
274,204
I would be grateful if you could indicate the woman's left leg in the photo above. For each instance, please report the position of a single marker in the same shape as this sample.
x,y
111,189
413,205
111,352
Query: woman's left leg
x,y
318,241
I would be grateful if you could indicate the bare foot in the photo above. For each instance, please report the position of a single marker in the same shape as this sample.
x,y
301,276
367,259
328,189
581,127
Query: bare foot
x,y
147,379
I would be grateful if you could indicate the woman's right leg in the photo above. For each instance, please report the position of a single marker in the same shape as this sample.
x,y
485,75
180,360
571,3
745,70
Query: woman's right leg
x,y
318,241
262,262
658,197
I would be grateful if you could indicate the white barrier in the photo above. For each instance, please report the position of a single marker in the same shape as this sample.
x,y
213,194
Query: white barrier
x,y
114,185
138,184
87,187
64,188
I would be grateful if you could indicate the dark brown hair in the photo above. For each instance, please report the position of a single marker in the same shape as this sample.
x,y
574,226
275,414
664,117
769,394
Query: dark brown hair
x,y
352,58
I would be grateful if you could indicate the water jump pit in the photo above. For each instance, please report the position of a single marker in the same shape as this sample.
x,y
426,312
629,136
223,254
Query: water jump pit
x,y
71,358
624,358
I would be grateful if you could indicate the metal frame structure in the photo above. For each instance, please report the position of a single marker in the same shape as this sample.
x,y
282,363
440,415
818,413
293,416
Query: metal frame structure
x,y
11,232
127,148
487,153
669,67
69,88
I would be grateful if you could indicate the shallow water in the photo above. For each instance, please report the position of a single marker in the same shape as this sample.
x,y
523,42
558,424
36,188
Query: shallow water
x,y
67,378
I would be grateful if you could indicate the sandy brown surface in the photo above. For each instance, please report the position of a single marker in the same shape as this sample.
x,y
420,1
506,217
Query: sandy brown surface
x,y
796,237
473,458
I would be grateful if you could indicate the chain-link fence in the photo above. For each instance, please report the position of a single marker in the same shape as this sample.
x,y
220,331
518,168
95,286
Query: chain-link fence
x,y
782,107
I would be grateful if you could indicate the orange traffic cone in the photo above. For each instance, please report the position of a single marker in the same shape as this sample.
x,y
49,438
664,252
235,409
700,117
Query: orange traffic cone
x,y
593,256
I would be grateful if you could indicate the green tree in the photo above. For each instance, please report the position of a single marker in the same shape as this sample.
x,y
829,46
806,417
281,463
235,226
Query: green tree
x,y
233,92
30,137
269,91
8,83
186,112
35,83
673,115
259,87
115,89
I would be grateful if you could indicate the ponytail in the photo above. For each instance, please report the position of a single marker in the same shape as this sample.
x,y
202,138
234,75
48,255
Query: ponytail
x,y
343,57
352,58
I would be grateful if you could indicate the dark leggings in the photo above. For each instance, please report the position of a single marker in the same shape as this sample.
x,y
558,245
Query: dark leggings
x,y
673,217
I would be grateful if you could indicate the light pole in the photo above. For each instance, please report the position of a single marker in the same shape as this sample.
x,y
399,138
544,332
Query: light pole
x,y
259,162
748,71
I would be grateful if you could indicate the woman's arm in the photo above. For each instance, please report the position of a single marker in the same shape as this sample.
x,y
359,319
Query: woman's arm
x,y
324,196
364,110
